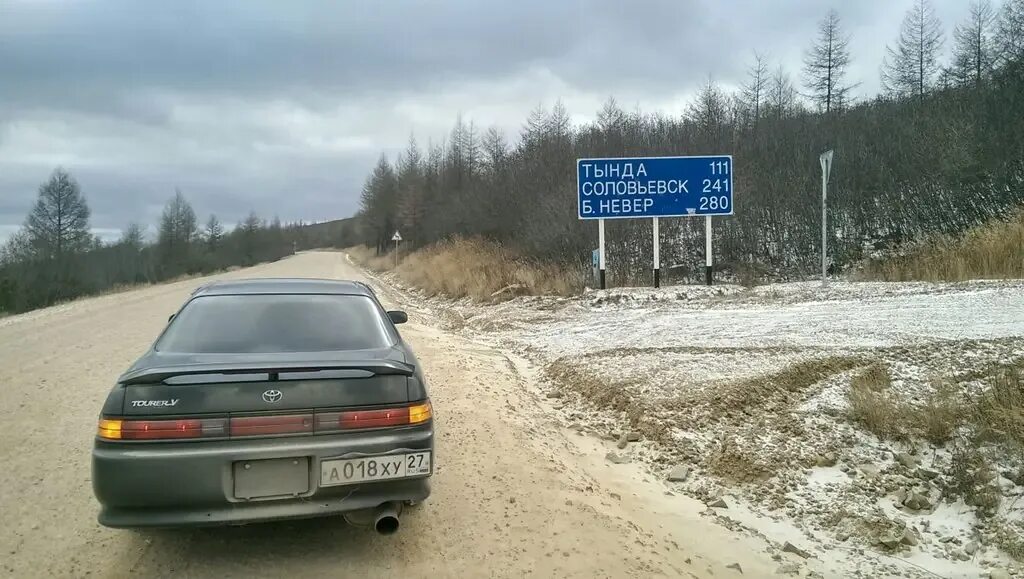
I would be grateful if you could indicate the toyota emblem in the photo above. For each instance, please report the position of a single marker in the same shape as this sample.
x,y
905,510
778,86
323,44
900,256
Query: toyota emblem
x,y
272,396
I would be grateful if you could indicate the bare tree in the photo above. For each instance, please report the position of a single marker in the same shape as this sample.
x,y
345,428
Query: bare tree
x,y
17,249
213,234
248,237
133,237
974,54
781,96
910,68
176,233
754,90
379,202
611,118
709,112
825,65
59,222
1010,33
535,126
410,192
495,148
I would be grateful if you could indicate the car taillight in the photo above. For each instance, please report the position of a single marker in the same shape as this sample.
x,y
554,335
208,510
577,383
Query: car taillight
x,y
161,429
262,425
374,418
274,424
420,413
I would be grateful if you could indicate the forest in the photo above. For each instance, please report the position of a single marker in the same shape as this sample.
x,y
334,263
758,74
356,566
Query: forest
x,y
55,257
939,150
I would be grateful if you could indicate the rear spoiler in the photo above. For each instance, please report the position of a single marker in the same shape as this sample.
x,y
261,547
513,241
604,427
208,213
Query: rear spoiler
x,y
159,374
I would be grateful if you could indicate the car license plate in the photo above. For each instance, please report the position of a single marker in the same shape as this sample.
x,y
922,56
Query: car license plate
x,y
374,468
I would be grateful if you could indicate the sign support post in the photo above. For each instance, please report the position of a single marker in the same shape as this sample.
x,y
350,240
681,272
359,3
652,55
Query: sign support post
x,y
397,238
826,169
657,255
707,249
600,250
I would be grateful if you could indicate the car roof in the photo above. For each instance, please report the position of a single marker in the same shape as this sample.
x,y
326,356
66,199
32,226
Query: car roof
x,y
284,286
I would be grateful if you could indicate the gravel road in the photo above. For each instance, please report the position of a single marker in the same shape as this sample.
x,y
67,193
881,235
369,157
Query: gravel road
x,y
513,495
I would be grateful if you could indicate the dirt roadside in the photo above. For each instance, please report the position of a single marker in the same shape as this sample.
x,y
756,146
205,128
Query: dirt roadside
x,y
512,494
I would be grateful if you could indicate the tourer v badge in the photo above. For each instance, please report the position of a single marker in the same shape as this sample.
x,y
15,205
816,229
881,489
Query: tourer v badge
x,y
170,402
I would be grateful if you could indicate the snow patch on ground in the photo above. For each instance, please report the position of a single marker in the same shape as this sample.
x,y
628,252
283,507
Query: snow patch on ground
x,y
749,388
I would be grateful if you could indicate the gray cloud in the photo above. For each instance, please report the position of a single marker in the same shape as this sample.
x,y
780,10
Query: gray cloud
x,y
282,108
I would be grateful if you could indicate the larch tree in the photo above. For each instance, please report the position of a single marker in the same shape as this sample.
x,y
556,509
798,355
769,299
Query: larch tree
x,y
410,192
974,52
176,234
754,91
213,234
825,65
58,225
133,237
780,99
379,202
910,68
1009,39
709,112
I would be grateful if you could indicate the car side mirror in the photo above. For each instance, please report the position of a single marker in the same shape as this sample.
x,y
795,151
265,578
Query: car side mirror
x,y
398,317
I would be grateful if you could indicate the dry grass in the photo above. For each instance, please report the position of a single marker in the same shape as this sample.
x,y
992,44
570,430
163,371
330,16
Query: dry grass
x,y
973,477
874,378
993,250
1009,536
873,406
877,409
941,414
475,268
369,259
1000,410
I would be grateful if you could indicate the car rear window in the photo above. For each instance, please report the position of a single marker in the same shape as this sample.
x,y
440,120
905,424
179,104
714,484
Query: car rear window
x,y
241,324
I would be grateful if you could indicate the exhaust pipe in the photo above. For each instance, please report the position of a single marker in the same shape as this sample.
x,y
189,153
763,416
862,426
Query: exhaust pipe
x,y
386,520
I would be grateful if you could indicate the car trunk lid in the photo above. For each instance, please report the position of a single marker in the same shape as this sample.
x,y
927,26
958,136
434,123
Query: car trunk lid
x,y
175,386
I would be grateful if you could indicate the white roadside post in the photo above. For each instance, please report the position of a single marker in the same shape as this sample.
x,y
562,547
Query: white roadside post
x,y
826,169
397,238
707,249
657,255
600,250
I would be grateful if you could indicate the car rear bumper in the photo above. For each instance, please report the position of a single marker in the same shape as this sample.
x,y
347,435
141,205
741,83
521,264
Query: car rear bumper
x,y
192,483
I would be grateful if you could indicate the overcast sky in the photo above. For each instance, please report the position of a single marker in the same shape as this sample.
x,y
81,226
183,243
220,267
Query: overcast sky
x,y
283,107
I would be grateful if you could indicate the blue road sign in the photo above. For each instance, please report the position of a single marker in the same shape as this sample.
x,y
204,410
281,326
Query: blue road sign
x,y
624,188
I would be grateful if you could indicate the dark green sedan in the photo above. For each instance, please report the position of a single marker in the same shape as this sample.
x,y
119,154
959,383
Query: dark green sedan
x,y
268,399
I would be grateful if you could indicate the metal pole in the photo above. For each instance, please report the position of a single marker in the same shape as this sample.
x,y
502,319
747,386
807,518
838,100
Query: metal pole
x,y
657,255
396,253
826,169
707,248
600,249
824,219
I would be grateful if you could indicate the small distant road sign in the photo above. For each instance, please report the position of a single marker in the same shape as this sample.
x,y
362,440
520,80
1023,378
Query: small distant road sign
x,y
397,237
623,188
